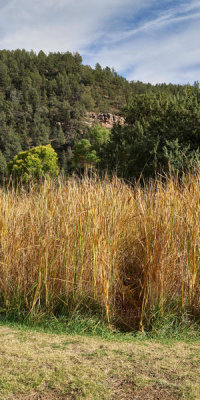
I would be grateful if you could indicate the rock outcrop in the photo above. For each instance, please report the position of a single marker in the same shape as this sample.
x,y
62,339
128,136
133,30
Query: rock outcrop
x,y
107,120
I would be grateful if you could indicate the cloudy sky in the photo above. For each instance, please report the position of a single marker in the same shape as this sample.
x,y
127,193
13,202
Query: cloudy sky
x,y
148,40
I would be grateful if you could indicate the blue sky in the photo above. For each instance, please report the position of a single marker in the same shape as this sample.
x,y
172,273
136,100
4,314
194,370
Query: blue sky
x,y
147,40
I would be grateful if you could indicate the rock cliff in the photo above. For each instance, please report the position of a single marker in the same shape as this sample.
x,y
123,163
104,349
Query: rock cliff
x,y
107,120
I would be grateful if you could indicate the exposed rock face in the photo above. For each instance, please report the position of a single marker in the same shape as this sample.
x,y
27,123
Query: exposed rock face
x,y
106,120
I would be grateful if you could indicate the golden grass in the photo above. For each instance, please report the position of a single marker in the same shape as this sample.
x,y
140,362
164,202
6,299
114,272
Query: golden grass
x,y
128,249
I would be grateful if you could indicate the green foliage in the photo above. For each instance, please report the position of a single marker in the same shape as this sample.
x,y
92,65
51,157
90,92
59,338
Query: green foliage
x,y
99,136
84,154
44,99
40,161
162,131
39,93
180,157
3,167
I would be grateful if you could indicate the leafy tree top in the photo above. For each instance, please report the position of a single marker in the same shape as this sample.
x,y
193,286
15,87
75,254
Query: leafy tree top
x,y
84,154
99,136
35,163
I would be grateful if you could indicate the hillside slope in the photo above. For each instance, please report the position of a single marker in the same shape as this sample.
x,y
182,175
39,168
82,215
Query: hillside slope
x,y
46,99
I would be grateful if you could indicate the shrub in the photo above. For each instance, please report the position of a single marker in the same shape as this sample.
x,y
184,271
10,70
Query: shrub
x,y
84,154
40,161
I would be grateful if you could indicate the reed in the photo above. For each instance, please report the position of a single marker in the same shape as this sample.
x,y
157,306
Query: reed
x,y
133,251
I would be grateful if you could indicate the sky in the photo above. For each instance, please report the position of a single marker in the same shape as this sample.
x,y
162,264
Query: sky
x,y
148,40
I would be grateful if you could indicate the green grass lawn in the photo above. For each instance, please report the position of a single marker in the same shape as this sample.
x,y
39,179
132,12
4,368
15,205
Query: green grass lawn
x,y
48,366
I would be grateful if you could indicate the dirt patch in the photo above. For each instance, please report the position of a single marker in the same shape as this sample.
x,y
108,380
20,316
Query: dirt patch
x,y
122,390
155,393
127,390
41,396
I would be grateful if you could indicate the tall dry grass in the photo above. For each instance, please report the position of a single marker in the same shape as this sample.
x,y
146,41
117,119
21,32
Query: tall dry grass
x,y
130,250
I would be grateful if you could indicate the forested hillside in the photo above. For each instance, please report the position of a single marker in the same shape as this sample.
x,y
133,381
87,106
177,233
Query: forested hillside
x,y
45,99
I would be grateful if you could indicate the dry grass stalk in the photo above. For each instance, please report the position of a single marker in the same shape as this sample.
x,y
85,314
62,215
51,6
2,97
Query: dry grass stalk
x,y
128,249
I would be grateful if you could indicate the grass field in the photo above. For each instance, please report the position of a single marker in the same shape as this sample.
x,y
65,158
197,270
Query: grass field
x,y
129,254
44,366
92,257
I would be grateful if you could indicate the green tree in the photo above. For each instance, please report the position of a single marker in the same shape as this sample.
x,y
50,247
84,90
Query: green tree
x,y
180,157
4,76
99,136
3,167
84,154
39,162
160,129
9,139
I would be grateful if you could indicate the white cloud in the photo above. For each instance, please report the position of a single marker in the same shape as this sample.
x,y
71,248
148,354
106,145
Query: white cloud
x,y
162,45
191,6
160,50
60,24
54,25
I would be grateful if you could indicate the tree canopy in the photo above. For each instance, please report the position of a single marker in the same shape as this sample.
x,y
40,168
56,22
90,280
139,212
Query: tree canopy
x,y
162,131
39,162
44,99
